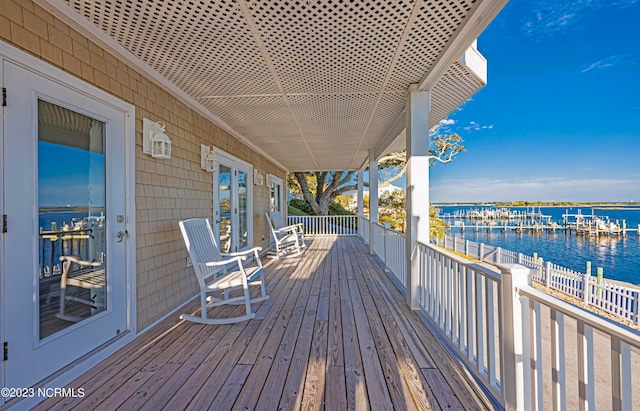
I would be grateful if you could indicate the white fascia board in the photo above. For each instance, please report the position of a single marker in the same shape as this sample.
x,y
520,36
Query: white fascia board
x,y
66,14
476,63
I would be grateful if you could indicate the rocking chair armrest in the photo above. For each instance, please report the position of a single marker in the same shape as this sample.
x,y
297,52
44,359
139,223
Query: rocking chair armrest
x,y
290,226
80,262
244,253
225,262
287,229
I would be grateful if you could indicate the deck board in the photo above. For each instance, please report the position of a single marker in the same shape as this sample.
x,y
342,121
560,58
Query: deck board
x,y
335,334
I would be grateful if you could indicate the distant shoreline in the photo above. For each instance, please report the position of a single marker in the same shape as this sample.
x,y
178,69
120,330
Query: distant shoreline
x,y
539,204
69,209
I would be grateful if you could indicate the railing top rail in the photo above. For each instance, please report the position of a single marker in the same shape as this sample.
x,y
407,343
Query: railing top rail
x,y
612,328
396,232
487,272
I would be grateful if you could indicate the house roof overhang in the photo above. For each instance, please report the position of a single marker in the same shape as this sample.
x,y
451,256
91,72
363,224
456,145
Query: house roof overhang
x,y
311,84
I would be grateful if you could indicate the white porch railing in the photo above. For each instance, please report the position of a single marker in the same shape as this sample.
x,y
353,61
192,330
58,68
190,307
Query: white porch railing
x,y
363,228
463,300
511,336
327,225
606,295
378,244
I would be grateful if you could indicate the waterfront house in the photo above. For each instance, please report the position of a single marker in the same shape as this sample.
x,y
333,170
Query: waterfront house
x,y
186,108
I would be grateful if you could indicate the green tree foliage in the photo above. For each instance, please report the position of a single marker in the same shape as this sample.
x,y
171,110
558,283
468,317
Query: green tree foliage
x,y
437,227
392,209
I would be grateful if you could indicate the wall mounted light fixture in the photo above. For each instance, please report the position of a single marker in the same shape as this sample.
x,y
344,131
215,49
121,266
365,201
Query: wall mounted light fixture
x,y
207,158
258,178
154,140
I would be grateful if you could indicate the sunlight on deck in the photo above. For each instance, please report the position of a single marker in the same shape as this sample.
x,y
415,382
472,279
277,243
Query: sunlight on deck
x,y
335,334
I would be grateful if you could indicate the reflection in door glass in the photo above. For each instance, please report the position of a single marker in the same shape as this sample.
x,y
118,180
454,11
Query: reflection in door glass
x,y
71,211
242,212
224,195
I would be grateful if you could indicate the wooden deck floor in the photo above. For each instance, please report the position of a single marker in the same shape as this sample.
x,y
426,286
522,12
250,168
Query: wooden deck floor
x,y
335,335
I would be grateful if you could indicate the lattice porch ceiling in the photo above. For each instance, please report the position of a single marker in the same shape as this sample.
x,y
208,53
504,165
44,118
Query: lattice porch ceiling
x,y
314,84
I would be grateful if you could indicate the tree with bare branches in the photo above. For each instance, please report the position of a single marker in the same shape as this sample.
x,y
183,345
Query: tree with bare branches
x,y
319,189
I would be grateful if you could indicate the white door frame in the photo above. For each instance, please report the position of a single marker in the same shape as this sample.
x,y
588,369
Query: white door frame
x,y
222,157
283,205
20,58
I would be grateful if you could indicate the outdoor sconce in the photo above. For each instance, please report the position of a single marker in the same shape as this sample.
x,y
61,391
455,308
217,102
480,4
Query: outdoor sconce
x,y
154,140
207,161
269,180
258,178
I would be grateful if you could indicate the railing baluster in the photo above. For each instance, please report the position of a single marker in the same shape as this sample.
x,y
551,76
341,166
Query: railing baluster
x,y
586,381
464,310
621,384
557,361
447,297
470,316
491,342
535,341
480,332
455,307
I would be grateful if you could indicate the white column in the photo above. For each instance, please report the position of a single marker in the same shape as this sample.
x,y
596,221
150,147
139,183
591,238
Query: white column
x,y
360,193
373,198
417,227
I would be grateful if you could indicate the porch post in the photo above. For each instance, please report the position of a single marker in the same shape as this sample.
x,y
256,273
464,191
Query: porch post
x,y
360,193
360,199
417,226
373,198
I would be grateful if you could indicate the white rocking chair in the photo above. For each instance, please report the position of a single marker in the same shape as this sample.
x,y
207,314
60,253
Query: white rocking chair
x,y
289,240
211,269
93,279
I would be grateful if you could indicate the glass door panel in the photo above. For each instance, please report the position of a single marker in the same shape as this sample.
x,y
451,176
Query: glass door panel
x,y
243,217
71,209
232,205
225,209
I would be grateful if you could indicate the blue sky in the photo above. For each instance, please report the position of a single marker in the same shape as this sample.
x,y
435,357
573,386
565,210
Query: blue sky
x,y
560,116
69,176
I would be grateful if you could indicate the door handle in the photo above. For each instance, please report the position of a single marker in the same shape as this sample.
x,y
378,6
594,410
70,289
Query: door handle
x,y
121,235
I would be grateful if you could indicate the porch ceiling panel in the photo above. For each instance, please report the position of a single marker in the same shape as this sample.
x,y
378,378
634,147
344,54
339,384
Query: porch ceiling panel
x,y
433,27
454,88
335,118
314,84
331,46
253,115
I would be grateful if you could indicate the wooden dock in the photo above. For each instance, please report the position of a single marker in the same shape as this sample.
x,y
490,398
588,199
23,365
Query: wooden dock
x,y
571,228
336,334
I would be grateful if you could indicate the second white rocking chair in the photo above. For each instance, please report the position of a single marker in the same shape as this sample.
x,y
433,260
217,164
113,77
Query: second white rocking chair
x,y
289,240
218,274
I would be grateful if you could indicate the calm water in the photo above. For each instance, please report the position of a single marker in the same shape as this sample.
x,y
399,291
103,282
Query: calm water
x,y
620,257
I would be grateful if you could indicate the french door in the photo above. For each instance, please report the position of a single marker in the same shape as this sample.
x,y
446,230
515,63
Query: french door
x,y
232,211
64,265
